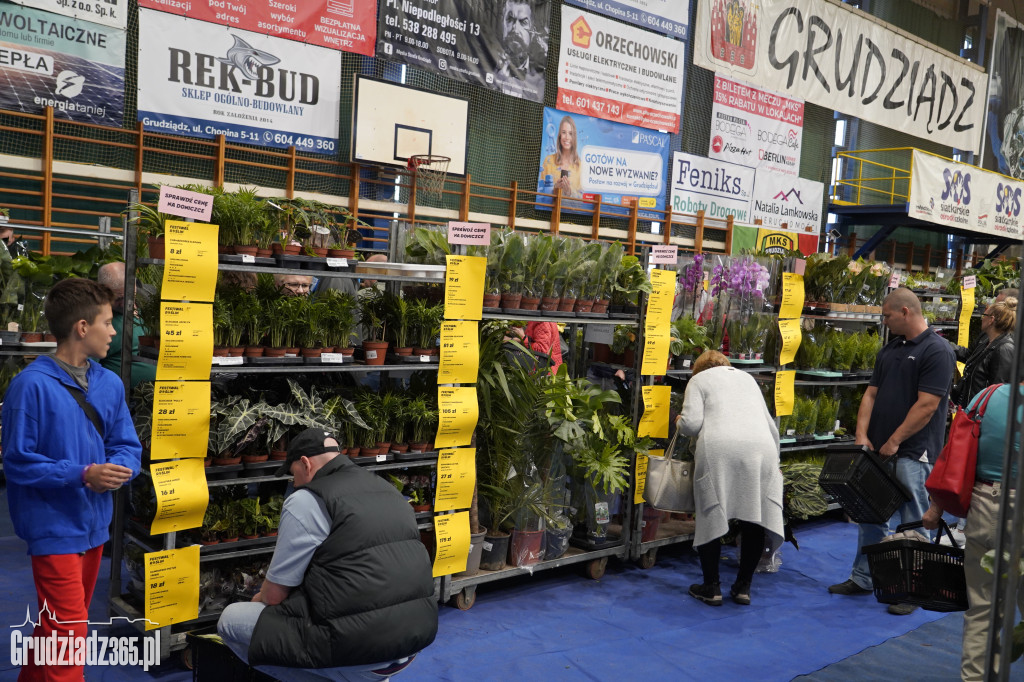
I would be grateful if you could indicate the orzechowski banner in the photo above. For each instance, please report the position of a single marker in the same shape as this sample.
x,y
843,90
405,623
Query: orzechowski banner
x,y
954,194
671,17
756,128
619,73
825,52
203,80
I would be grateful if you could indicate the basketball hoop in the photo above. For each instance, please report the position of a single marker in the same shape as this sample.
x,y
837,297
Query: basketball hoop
x,y
429,172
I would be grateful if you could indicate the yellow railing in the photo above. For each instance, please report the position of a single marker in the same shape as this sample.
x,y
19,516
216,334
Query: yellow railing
x,y
861,177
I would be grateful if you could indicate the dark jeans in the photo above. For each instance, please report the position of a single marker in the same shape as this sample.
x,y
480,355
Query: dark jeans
x,y
751,548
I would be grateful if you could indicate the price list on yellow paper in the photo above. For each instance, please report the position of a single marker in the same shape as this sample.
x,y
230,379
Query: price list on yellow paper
x,y
451,532
654,422
460,352
181,419
966,310
456,478
172,586
791,337
464,287
655,358
186,341
657,324
784,382
457,414
190,265
792,296
641,474
181,495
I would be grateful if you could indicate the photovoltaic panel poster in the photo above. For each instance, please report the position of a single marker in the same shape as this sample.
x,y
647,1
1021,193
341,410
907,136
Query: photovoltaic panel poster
x,y
589,157
671,17
113,13
502,46
49,60
347,25
201,79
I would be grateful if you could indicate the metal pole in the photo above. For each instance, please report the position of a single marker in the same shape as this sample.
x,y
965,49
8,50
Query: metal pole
x,y
104,228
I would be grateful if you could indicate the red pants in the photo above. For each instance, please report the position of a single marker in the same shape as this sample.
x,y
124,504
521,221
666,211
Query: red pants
x,y
64,583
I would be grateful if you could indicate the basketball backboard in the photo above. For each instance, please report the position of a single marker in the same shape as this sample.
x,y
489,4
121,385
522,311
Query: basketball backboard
x,y
391,122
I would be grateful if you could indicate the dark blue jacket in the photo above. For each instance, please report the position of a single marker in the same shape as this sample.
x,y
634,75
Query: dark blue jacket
x,y
47,442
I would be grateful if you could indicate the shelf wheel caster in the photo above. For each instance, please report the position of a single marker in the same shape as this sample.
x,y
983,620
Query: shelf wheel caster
x,y
595,568
648,558
186,657
465,599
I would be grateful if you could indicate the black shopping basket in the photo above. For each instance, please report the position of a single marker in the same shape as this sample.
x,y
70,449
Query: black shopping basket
x,y
213,661
927,574
860,481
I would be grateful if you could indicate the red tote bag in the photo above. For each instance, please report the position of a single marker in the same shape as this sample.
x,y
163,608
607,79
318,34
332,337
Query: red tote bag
x,y
952,480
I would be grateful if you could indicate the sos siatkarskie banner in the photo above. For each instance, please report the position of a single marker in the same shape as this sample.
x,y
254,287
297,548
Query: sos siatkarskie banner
x,y
346,25
499,44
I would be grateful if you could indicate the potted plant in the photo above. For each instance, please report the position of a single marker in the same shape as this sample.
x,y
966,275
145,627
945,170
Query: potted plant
x,y
252,518
397,314
492,283
341,320
371,308
398,421
535,268
427,321
213,524
240,217
423,416
693,340
312,336
510,275
271,512
149,224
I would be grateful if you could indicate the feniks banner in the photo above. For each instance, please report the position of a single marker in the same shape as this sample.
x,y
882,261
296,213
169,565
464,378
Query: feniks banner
x,y
74,66
756,128
202,80
587,157
348,25
841,58
718,188
664,16
502,46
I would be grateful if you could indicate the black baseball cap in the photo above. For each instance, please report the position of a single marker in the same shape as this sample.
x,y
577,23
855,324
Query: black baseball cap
x,y
307,444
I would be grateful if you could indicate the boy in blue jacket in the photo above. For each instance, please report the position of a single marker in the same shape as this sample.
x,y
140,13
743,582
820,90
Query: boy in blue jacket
x,y
62,463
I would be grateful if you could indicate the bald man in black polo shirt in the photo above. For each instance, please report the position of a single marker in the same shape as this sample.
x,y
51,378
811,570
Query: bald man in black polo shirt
x,y
903,414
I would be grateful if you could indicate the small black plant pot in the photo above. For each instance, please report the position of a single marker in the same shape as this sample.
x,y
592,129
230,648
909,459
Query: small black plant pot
x,y
495,549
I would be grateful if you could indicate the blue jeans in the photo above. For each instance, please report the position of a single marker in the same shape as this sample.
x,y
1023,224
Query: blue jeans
x,y
912,474
236,625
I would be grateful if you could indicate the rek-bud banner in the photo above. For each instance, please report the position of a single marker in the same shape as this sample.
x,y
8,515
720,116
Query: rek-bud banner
x,y
113,13
718,188
202,79
589,157
74,66
347,25
619,73
671,17
502,46
966,197
784,202
756,128
840,58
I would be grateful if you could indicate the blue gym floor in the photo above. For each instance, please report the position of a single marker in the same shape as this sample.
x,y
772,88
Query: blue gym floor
x,y
638,624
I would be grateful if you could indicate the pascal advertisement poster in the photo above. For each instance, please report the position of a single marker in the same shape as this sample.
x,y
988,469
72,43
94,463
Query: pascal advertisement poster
x,y
502,46
718,188
203,80
588,157
50,60
671,17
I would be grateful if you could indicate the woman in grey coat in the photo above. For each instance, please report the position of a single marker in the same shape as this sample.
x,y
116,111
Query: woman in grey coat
x,y
736,473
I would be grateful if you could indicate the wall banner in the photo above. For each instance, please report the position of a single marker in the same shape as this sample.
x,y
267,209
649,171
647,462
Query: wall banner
x,y
621,164
201,79
782,199
347,25
671,17
501,46
954,194
838,57
74,66
753,238
616,72
1002,149
716,187
113,13
756,128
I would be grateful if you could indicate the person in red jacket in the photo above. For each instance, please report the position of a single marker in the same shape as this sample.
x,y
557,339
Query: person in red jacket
x,y
542,337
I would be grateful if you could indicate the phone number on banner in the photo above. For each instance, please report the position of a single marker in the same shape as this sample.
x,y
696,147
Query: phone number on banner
x,y
198,127
597,106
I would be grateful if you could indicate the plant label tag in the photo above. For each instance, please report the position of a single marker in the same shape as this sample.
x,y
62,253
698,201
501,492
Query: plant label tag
x,y
601,513
231,361
337,262
424,358
970,281
664,255
3,218
21,307
894,281
940,275
371,355
246,258
487,546
320,229
332,357
511,473
12,327
599,333
382,458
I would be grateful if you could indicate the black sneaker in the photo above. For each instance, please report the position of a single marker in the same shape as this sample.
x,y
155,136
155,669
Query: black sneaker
x,y
849,588
741,593
902,609
710,594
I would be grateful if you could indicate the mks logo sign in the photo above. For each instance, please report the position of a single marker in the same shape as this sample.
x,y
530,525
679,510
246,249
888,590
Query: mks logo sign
x,y
1008,200
958,186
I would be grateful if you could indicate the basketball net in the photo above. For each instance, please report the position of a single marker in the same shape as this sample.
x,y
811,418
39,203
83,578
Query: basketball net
x,y
429,172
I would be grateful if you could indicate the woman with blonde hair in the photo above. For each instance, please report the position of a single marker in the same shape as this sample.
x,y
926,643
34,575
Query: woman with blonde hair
x,y
736,473
564,165
989,361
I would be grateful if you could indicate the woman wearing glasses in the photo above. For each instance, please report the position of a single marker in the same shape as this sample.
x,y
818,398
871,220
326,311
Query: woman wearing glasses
x,y
990,359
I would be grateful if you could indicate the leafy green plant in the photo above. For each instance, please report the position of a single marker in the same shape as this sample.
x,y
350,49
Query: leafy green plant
x,y
630,281
828,411
341,318
693,338
241,216
398,319
372,315
426,322
802,496
513,255
427,246
535,268
812,350
804,415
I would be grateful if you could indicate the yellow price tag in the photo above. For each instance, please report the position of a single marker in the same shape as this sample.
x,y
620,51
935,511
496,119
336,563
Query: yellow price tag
x,y
181,495
791,337
456,479
792,295
190,266
659,303
460,352
181,419
655,358
654,422
784,392
451,533
464,287
186,341
966,310
172,586
457,414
